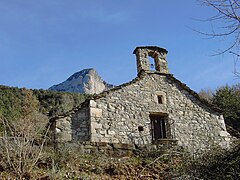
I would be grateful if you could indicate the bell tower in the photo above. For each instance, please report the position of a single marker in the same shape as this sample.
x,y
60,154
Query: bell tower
x,y
158,54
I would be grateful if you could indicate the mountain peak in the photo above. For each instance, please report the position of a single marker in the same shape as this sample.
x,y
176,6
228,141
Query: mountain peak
x,y
81,73
86,81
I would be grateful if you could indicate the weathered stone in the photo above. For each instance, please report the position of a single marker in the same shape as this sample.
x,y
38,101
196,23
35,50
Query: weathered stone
x,y
92,103
123,146
95,125
96,112
116,115
223,133
66,136
58,130
111,132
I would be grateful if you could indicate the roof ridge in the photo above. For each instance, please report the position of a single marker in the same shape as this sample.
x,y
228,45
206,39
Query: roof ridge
x,y
141,75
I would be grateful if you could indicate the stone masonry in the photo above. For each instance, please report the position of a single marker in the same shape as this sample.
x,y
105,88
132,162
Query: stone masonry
x,y
158,54
123,114
73,127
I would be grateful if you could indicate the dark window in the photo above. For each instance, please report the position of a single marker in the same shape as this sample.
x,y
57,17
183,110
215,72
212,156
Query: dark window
x,y
160,99
140,128
158,127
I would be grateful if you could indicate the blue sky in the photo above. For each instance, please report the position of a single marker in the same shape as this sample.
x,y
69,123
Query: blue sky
x,y
43,42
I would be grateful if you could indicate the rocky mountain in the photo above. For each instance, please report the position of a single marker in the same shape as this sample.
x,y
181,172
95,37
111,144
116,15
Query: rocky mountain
x,y
86,81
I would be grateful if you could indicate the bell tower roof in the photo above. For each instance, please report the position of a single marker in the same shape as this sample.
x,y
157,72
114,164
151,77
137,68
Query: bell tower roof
x,y
153,48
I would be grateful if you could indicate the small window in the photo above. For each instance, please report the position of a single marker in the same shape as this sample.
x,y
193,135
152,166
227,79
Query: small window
x,y
160,99
140,128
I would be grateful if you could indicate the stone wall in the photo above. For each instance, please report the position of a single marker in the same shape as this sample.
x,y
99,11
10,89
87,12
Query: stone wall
x,y
117,116
73,127
97,147
158,54
89,147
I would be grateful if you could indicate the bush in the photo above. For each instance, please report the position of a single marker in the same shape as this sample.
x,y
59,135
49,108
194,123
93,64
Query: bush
x,y
22,144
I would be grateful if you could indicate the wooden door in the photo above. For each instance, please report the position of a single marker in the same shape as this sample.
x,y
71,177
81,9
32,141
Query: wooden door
x,y
158,127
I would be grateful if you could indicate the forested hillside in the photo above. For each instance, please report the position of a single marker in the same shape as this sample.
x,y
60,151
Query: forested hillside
x,y
18,102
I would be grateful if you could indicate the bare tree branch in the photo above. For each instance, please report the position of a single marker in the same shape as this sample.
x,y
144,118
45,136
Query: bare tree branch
x,y
227,14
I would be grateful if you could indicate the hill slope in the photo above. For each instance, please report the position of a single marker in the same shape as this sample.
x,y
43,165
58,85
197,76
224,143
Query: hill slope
x,y
13,101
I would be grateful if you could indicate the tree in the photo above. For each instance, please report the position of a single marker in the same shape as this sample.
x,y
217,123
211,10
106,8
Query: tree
x,y
22,140
206,94
228,99
227,15
226,26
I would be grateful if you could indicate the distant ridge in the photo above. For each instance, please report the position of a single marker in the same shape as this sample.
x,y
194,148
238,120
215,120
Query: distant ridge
x,y
86,81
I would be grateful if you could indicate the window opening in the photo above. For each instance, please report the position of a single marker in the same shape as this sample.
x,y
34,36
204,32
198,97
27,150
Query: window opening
x,y
158,127
152,63
160,99
140,128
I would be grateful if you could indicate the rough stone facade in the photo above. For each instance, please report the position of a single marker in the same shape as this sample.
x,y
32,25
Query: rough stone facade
x,y
158,54
73,127
131,113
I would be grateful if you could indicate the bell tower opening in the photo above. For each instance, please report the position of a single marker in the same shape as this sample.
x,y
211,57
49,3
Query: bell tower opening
x,y
151,58
152,64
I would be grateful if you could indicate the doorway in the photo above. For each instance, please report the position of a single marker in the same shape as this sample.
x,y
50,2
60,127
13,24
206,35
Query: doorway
x,y
158,123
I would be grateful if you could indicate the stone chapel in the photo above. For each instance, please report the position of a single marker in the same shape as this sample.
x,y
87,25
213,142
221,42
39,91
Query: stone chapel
x,y
152,108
